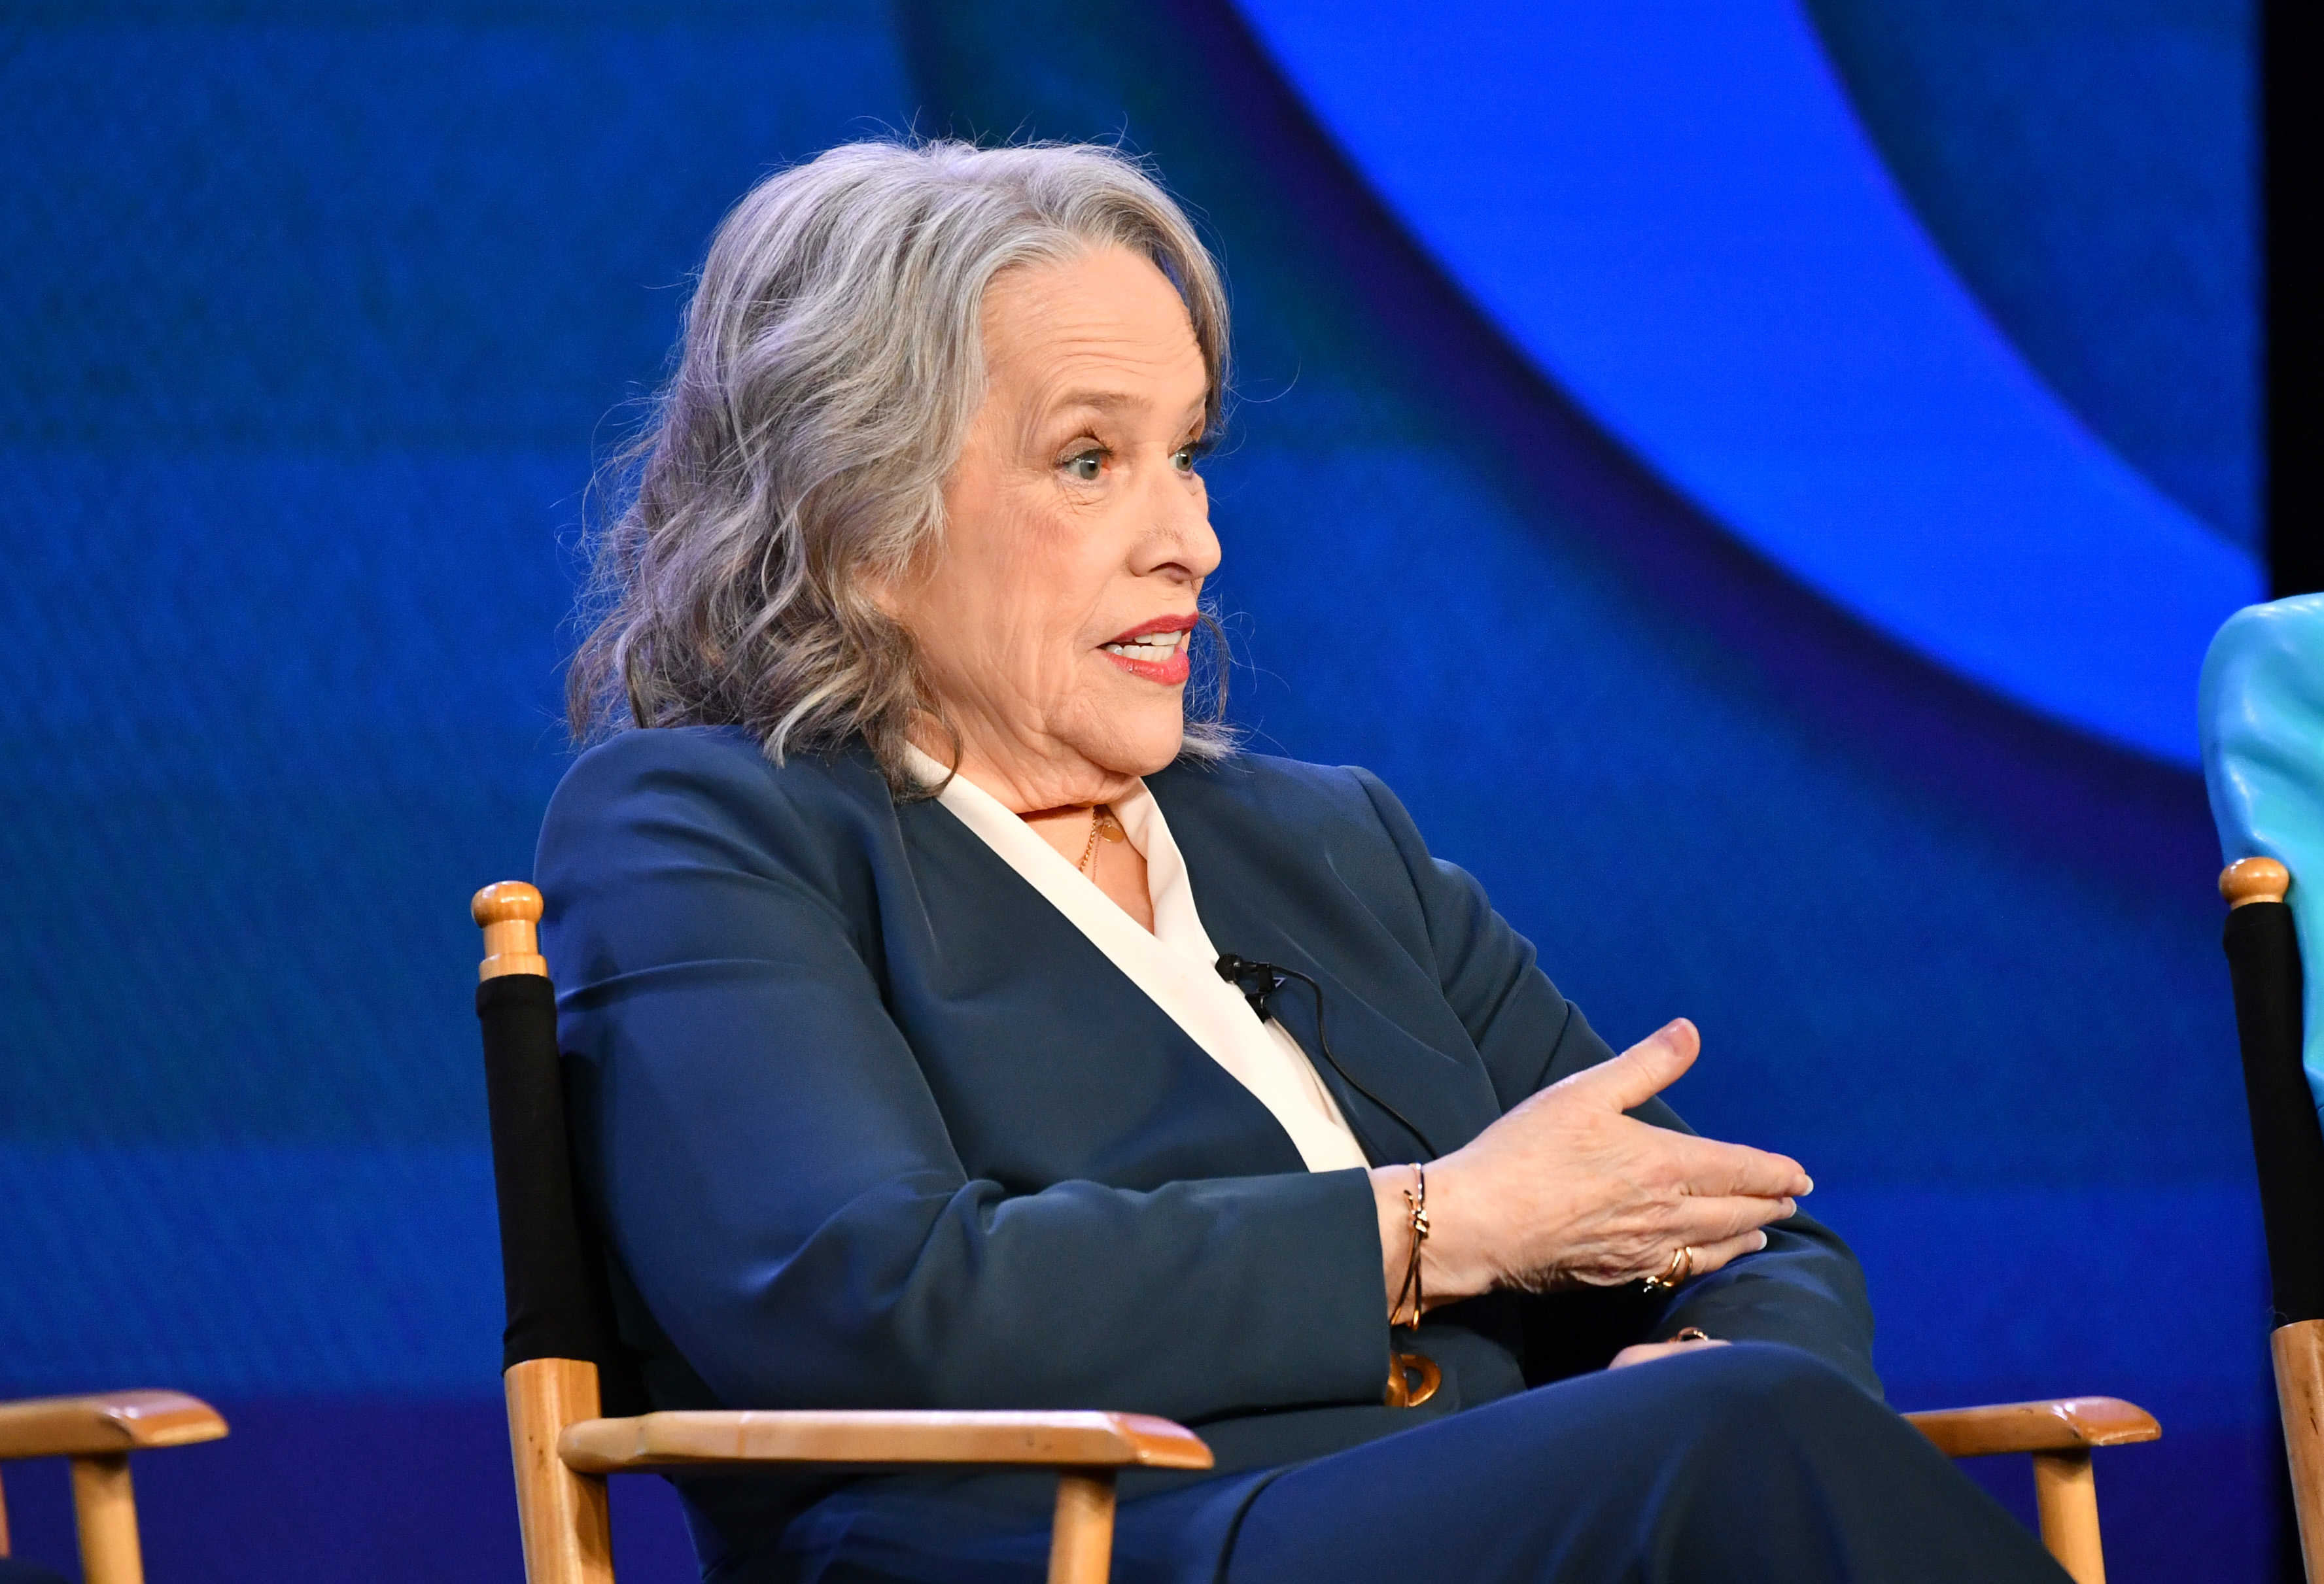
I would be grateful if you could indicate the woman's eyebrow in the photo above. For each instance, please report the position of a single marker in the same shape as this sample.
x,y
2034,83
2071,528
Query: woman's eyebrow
x,y
1099,401
1114,401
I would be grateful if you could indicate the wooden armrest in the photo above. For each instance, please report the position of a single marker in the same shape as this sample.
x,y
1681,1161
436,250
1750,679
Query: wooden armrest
x,y
113,1422
2059,1425
609,1446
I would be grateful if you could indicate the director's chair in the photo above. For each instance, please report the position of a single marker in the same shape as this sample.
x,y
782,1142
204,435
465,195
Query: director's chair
x,y
564,1363
2262,712
2262,950
97,1433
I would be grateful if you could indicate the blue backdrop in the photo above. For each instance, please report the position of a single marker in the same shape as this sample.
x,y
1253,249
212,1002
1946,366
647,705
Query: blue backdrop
x,y
317,312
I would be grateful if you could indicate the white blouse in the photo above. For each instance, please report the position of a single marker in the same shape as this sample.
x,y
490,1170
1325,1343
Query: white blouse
x,y
1174,965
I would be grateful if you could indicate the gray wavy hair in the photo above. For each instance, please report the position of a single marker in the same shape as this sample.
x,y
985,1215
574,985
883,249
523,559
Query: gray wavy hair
x,y
831,362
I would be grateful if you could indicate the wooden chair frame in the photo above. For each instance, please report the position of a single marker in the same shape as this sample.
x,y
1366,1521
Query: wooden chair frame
x,y
2290,1156
563,1453
564,1450
97,1434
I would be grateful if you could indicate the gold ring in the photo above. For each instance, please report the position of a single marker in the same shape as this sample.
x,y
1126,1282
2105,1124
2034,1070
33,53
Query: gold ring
x,y
1681,1267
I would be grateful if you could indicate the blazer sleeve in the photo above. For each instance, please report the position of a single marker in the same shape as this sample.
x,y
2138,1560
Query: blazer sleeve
x,y
1805,1288
777,1180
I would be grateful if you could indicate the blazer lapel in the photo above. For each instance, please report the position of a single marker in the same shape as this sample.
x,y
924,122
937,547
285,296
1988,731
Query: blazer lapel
x,y
1076,1066
1404,1098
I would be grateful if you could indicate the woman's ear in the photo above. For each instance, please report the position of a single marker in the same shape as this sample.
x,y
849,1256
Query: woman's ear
x,y
891,583
889,588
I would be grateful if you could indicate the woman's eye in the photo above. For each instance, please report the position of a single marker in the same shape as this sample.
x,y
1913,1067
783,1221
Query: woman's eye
x,y
1184,457
1086,465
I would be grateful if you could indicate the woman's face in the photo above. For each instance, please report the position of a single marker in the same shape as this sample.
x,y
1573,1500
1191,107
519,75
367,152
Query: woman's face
x,y
1054,623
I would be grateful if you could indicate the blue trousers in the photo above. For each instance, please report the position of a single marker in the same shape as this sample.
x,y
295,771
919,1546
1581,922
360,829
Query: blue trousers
x,y
1732,1465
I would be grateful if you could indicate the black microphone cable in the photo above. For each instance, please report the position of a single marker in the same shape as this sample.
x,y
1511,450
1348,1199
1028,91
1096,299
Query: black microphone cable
x,y
1241,972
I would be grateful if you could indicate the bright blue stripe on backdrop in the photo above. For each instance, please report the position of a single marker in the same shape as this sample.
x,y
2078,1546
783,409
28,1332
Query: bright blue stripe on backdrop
x,y
2089,167
1672,210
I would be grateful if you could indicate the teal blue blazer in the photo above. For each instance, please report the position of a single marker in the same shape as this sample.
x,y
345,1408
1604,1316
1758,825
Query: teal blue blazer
x,y
867,1123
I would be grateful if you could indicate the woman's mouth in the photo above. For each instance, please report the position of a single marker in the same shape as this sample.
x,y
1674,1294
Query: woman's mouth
x,y
1158,647
1156,651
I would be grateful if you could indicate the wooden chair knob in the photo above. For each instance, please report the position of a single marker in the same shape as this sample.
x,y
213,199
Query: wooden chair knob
x,y
507,911
2254,879
504,902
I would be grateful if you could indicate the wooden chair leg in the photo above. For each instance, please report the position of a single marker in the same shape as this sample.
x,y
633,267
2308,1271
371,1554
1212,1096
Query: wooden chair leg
x,y
104,1510
2299,1350
2066,1495
565,1518
1081,1540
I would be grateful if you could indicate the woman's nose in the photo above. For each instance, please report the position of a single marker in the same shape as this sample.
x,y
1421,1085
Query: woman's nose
x,y
1181,536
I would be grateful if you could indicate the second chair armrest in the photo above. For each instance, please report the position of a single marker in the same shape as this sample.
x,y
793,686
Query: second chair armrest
x,y
1061,1440
2055,1424
106,1424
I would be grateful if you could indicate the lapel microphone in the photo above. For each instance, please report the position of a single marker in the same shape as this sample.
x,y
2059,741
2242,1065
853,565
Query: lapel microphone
x,y
1260,981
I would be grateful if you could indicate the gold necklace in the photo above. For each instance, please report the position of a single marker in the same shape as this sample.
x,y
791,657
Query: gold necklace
x,y
1102,823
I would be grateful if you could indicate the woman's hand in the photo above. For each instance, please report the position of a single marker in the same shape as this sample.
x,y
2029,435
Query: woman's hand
x,y
1565,1190
1648,1352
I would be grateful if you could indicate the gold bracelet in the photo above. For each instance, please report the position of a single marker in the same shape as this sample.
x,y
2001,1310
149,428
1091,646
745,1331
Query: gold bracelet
x,y
1416,1198
1412,1377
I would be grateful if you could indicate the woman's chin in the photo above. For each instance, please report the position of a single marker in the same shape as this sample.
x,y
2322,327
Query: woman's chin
x,y
1140,747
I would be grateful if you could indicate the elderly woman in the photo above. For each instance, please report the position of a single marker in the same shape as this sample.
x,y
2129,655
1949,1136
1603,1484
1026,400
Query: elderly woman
x,y
965,1027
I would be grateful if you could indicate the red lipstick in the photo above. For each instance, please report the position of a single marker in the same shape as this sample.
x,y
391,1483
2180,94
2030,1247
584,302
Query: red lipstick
x,y
1160,624
1170,671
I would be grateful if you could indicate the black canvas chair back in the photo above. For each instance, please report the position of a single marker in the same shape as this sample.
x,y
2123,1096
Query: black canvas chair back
x,y
551,1266
2262,947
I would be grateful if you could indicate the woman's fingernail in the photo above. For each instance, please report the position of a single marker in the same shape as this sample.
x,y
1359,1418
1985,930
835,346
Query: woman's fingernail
x,y
1810,1188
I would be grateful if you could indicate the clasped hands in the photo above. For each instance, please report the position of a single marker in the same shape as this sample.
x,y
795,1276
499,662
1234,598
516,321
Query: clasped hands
x,y
1566,1191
